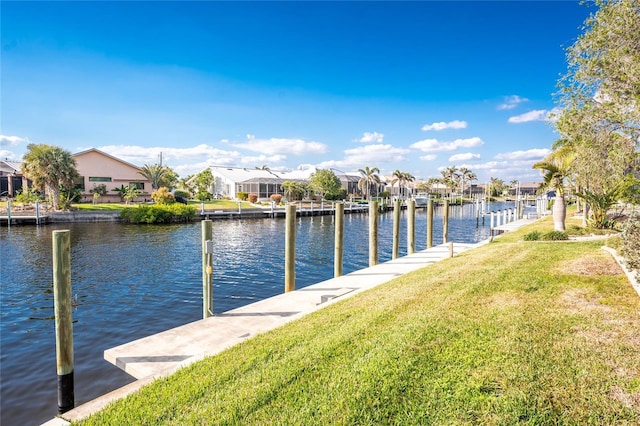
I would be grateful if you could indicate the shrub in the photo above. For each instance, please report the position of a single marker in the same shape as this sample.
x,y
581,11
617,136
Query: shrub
x,y
158,214
340,194
555,236
243,196
163,196
631,241
181,193
27,196
204,196
253,198
532,236
276,198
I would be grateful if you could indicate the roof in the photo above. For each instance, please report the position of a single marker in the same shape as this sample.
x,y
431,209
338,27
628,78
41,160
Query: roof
x,y
77,154
240,174
16,166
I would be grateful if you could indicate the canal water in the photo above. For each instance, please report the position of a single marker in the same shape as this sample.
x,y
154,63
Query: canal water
x,y
132,281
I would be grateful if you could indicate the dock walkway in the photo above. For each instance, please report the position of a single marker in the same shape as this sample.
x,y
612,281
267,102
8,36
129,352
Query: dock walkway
x,y
162,354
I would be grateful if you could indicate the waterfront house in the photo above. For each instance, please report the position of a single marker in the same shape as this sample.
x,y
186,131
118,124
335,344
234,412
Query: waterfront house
x,y
228,181
11,179
96,167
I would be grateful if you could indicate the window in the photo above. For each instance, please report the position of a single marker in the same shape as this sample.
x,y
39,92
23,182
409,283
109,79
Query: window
x,y
79,183
99,179
137,185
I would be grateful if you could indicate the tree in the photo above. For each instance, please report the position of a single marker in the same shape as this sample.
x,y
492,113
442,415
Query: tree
x,y
466,175
98,191
496,187
293,190
130,193
324,182
369,178
450,177
402,178
51,169
600,104
603,75
155,173
557,169
203,182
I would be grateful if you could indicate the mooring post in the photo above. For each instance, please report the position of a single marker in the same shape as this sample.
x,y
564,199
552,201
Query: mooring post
x,y
445,222
429,223
207,268
396,229
339,240
450,248
411,226
63,318
37,212
290,249
373,233
9,213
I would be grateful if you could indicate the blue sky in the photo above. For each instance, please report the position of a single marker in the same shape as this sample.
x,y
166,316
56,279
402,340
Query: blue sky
x,y
414,86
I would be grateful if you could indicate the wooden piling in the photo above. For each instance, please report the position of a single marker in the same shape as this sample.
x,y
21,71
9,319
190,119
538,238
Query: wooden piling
x,y
445,222
430,223
207,235
373,233
450,248
396,229
63,318
290,249
411,226
339,240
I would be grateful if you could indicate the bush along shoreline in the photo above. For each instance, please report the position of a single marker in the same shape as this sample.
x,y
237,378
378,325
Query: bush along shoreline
x,y
168,213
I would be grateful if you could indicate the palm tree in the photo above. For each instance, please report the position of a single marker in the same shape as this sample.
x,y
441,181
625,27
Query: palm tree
x,y
51,169
154,173
396,179
402,178
466,175
450,177
369,177
556,168
471,177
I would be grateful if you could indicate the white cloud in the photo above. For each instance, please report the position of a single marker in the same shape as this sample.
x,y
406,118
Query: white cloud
x,y
441,125
429,157
6,154
371,155
433,145
463,157
183,161
511,102
12,140
535,115
275,146
531,154
369,137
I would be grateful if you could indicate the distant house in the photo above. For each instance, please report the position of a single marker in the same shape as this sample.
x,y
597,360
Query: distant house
x,y
228,181
11,179
96,168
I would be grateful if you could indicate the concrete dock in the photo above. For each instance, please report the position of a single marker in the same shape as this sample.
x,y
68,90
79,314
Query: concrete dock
x,y
162,354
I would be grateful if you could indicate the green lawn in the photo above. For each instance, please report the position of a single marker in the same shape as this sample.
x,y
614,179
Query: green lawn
x,y
514,332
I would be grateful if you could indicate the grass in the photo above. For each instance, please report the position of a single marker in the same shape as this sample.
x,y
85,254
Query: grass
x,y
514,332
